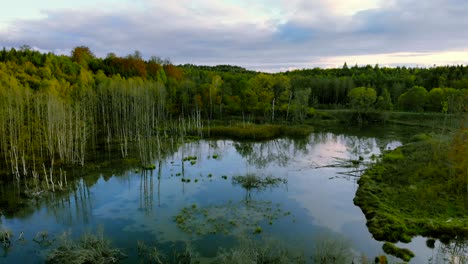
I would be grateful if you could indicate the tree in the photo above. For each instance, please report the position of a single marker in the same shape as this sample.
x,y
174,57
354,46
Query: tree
x,y
384,101
434,100
413,100
362,98
82,55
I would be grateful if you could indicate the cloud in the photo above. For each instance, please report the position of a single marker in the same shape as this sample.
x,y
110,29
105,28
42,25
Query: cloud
x,y
264,35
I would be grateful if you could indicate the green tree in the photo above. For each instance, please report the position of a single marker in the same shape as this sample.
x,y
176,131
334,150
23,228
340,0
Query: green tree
x,y
413,100
362,99
434,100
384,101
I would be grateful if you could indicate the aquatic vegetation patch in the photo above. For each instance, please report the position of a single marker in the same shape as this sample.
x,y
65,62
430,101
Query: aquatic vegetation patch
x,y
402,253
228,218
252,181
90,248
190,158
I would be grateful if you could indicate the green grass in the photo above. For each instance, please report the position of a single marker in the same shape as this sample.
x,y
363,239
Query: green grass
x,y
257,132
418,189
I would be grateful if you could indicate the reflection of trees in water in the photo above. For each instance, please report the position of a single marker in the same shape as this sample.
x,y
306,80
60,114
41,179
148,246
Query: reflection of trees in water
x,y
455,252
277,152
251,182
146,191
79,199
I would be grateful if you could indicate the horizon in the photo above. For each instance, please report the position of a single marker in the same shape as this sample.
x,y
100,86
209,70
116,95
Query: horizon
x,y
266,36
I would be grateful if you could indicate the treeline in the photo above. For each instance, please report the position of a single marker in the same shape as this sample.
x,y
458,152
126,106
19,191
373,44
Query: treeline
x,y
225,90
54,108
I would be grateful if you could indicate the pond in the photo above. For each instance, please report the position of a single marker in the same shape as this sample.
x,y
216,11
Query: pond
x,y
213,194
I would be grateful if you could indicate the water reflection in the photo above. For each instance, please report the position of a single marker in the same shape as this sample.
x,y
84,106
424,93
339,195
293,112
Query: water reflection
x,y
284,188
455,252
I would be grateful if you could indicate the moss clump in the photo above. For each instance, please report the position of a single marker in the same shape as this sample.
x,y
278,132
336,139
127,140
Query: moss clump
x,y
402,253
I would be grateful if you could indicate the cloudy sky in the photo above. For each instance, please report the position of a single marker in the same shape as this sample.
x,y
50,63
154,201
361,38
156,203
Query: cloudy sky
x,y
268,35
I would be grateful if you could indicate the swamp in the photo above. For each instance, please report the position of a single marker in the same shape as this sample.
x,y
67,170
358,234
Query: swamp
x,y
214,201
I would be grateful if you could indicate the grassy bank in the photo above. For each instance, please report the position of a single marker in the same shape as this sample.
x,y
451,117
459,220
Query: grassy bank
x,y
420,188
435,121
249,131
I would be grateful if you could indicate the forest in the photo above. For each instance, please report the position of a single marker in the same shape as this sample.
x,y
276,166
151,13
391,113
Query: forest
x,y
54,107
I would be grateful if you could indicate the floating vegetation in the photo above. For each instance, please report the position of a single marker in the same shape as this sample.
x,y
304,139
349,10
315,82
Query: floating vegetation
x,y
90,248
228,218
252,181
190,158
192,162
210,175
150,167
257,230
215,156
402,253
224,177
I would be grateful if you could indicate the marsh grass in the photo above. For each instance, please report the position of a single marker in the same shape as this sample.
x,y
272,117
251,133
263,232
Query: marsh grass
x,y
5,238
152,254
89,248
262,252
257,132
331,250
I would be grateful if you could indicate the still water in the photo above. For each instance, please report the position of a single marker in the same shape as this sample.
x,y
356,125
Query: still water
x,y
309,199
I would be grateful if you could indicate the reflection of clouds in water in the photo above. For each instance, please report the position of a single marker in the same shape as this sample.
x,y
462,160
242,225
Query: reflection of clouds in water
x,y
328,201
157,220
393,145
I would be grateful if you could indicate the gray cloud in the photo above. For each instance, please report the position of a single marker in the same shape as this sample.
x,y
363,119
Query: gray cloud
x,y
200,35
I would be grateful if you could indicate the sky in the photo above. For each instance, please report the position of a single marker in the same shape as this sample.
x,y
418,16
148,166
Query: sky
x,y
263,35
